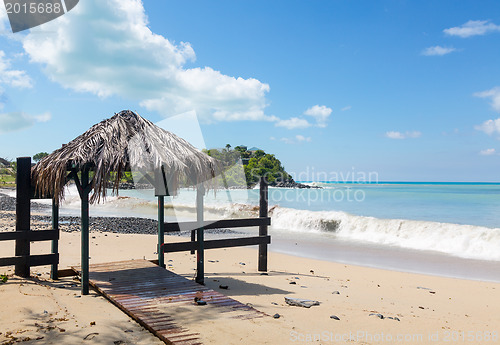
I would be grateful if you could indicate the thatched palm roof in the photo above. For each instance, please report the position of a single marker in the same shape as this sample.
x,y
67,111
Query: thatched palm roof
x,y
116,144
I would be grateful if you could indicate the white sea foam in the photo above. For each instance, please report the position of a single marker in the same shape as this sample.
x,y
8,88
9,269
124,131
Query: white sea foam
x,y
459,240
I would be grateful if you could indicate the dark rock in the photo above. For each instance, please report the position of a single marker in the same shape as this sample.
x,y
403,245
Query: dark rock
x,y
292,184
336,293
293,283
393,318
335,317
380,316
276,316
224,287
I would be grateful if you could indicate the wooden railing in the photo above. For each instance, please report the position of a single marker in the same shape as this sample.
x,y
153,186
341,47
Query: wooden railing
x,y
199,245
23,259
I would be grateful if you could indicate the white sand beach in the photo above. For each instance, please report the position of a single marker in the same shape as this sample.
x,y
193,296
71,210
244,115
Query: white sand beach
x,y
430,309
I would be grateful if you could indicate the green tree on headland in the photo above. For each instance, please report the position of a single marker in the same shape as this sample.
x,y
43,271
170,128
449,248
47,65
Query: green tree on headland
x,y
255,164
38,157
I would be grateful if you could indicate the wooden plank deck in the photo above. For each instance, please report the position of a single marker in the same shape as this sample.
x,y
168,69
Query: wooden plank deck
x,y
150,294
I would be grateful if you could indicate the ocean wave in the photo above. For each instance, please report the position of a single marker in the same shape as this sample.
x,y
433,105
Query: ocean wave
x,y
468,241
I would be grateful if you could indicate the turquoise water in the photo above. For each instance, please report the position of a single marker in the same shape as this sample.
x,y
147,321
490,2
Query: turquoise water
x,y
459,203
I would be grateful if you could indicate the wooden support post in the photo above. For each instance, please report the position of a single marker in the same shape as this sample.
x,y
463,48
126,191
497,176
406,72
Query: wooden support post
x,y
55,242
85,229
263,206
23,189
161,190
193,238
161,230
200,257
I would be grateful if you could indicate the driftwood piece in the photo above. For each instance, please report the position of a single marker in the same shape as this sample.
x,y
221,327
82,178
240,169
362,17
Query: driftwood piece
x,y
306,303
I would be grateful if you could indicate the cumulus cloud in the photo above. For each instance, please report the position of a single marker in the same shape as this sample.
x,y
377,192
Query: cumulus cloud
x,y
320,113
15,121
493,95
405,135
17,79
489,127
487,152
12,77
437,51
473,28
293,123
115,53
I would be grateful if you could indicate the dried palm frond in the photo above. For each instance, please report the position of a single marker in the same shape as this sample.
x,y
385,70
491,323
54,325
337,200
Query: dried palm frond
x,y
113,146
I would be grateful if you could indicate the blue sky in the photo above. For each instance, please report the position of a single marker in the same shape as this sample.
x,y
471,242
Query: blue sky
x,y
407,89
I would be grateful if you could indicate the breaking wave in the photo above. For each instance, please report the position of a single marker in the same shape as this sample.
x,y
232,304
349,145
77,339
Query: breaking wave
x,y
468,241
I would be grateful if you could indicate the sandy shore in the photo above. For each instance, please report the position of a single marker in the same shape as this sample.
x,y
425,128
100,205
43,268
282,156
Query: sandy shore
x,y
430,310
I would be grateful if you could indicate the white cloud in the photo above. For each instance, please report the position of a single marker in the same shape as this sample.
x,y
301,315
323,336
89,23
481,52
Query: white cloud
x,y
43,117
348,107
14,121
472,28
296,140
293,123
405,135
489,127
394,135
301,138
287,141
12,77
115,53
320,113
494,95
437,51
487,152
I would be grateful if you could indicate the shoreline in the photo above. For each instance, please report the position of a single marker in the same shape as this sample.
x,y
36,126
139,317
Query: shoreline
x,y
315,246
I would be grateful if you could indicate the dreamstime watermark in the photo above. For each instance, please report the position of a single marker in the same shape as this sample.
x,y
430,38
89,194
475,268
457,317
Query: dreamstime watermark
x,y
26,14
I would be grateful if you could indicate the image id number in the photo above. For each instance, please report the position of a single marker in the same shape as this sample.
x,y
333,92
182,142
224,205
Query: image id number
x,y
33,8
